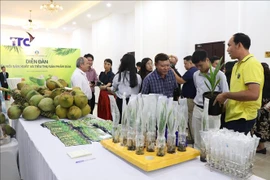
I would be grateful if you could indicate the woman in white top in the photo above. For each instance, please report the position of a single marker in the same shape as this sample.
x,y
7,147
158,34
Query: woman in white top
x,y
126,80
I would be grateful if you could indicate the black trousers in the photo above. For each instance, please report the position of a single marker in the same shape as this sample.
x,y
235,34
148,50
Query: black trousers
x,y
119,103
240,125
92,102
5,85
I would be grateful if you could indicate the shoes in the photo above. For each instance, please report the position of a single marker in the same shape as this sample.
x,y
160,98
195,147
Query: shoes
x,y
263,151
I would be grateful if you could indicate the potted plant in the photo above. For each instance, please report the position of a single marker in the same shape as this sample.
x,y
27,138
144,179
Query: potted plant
x,y
212,94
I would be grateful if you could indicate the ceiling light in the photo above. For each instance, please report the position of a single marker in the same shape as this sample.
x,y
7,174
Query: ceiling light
x,y
109,4
64,28
51,7
30,25
74,23
89,15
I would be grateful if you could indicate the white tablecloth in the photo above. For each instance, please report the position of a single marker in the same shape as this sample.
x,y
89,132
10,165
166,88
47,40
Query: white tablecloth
x,y
8,156
44,157
12,82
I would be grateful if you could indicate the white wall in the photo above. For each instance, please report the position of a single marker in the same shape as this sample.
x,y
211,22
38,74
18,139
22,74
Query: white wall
x,y
82,39
172,27
42,39
112,37
161,27
255,21
219,20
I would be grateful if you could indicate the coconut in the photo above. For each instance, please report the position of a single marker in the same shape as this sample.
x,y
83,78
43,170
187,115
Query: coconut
x,y
47,93
31,113
51,84
56,100
76,88
74,113
25,89
8,130
63,82
46,104
30,94
86,110
14,112
65,100
20,85
34,101
2,118
61,112
80,100
56,92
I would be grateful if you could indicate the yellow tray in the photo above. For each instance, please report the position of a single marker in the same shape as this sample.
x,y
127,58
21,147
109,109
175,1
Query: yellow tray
x,y
149,161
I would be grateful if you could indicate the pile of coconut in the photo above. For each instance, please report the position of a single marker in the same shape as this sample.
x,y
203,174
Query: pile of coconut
x,y
53,101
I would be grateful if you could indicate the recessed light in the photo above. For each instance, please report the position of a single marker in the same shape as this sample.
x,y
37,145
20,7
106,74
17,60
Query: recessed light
x,y
89,15
109,4
64,28
74,23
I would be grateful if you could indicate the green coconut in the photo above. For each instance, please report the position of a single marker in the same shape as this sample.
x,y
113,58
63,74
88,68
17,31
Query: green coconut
x,y
66,100
56,92
2,118
8,130
74,113
86,110
34,101
30,94
63,82
31,113
61,112
80,100
56,100
25,89
14,112
46,104
20,85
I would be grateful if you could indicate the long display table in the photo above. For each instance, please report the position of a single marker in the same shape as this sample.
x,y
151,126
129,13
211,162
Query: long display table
x,y
42,156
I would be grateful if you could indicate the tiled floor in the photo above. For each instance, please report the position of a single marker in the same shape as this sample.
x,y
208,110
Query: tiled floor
x,y
262,161
262,164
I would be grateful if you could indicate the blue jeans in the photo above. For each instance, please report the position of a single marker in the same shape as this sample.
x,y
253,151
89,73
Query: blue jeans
x,y
240,125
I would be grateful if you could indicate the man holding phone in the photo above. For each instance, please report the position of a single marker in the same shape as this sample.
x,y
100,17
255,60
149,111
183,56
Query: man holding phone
x,y
92,78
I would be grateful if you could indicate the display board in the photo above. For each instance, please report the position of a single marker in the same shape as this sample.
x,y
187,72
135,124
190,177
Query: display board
x,y
36,64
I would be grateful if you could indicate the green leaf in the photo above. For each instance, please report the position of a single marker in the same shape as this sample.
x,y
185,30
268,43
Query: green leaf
x,y
64,51
216,84
212,77
208,86
17,49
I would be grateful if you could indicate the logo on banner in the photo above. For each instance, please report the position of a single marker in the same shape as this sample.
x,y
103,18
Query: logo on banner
x,y
19,41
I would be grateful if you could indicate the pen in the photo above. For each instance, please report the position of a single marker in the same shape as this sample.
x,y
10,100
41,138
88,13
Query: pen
x,y
80,161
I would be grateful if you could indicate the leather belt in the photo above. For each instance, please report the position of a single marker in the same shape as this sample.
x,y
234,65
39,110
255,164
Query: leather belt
x,y
199,106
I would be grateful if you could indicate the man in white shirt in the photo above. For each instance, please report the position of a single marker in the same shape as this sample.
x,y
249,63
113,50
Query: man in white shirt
x,y
79,79
202,62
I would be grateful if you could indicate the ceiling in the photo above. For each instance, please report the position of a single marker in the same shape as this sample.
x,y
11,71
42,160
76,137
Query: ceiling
x,y
15,14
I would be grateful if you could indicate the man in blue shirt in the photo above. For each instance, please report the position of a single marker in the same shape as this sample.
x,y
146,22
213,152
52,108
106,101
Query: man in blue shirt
x,y
188,89
162,79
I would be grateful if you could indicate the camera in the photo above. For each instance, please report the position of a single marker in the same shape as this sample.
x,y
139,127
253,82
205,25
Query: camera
x,y
172,66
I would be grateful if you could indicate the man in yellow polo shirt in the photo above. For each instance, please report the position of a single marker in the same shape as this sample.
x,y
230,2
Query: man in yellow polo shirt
x,y
247,79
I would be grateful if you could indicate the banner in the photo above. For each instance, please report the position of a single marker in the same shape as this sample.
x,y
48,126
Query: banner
x,y
36,65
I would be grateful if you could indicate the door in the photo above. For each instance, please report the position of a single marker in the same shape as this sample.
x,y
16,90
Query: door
x,y
213,49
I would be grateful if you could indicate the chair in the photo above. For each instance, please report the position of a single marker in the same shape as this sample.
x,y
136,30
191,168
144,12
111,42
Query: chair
x,y
9,167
